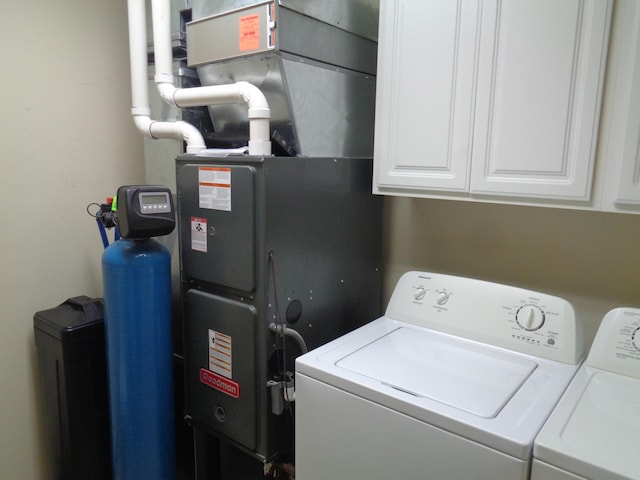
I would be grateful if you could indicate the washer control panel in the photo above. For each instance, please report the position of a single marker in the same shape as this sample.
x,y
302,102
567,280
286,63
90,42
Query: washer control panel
x,y
501,315
616,346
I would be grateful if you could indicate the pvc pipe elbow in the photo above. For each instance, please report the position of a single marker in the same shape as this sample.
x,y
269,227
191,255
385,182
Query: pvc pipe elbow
x,y
167,91
192,137
142,123
255,100
176,130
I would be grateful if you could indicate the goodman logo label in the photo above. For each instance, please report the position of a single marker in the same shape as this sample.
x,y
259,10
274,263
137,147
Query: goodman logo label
x,y
220,383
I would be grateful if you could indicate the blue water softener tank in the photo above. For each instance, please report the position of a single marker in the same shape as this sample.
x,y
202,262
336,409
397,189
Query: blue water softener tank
x,y
137,307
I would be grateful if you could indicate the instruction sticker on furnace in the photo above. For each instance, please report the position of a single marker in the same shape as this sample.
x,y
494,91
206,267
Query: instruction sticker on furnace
x,y
220,353
214,188
199,234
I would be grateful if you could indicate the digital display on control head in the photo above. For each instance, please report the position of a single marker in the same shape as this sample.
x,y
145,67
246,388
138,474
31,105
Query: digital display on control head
x,y
153,199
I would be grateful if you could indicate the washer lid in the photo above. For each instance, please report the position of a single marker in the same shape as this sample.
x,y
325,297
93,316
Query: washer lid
x,y
603,428
463,374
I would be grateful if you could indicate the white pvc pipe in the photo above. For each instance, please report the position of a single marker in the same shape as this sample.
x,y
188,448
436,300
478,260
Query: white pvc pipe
x,y
259,112
138,58
162,52
140,92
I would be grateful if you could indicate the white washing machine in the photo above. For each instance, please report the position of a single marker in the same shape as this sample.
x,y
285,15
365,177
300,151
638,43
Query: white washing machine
x,y
594,432
453,382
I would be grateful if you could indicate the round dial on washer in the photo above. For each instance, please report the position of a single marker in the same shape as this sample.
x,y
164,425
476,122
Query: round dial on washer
x,y
443,297
635,338
530,317
419,293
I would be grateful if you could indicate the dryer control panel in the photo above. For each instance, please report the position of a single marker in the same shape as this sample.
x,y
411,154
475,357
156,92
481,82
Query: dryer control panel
x,y
501,315
616,346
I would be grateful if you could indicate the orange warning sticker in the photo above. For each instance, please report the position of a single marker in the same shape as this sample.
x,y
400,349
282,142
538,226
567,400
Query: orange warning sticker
x,y
214,188
249,32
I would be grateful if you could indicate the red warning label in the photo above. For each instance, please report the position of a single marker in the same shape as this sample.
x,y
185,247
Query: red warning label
x,y
220,383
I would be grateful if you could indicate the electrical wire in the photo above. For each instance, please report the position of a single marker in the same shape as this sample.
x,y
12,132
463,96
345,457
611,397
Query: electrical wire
x,y
282,340
282,360
98,215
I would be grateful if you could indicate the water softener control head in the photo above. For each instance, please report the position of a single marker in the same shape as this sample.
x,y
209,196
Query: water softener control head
x,y
145,211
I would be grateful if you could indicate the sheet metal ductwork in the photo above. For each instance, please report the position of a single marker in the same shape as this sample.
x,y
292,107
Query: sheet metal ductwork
x,y
315,62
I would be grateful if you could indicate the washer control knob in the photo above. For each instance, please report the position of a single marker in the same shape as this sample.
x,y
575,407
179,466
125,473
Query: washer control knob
x,y
635,338
419,293
530,317
443,297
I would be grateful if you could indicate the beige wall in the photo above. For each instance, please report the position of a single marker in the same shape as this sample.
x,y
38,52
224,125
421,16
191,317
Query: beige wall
x,y
590,258
66,139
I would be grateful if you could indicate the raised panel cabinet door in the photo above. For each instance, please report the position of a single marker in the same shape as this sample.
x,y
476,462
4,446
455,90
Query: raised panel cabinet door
x,y
538,100
425,95
625,135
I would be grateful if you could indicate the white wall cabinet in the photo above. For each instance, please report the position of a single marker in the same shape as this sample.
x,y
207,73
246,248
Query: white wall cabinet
x,y
621,138
490,100
425,94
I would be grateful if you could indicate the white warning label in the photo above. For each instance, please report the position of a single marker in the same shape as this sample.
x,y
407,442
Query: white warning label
x,y
199,234
214,188
220,353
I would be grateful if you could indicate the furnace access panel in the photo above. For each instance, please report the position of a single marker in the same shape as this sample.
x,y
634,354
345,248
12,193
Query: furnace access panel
x,y
286,240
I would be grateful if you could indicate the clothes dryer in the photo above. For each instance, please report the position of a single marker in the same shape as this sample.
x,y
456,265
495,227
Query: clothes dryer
x,y
594,431
453,382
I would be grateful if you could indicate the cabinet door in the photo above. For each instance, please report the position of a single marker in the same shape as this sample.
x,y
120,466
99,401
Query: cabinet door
x,y
425,91
538,100
623,156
